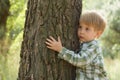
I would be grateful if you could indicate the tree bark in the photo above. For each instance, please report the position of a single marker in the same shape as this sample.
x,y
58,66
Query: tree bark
x,y
45,18
4,13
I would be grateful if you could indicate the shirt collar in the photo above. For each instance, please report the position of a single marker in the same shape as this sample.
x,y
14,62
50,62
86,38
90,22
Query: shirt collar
x,y
89,43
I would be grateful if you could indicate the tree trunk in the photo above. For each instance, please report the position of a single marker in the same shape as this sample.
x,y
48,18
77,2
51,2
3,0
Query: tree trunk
x,y
4,13
45,18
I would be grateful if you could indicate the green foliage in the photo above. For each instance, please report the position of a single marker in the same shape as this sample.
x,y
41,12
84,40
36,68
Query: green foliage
x,y
15,22
15,25
115,20
111,38
14,57
3,68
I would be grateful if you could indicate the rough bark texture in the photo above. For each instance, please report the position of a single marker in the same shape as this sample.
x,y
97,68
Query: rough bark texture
x,y
44,18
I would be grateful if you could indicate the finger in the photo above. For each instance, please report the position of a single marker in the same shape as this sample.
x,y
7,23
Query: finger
x,y
59,39
49,47
52,38
48,43
49,40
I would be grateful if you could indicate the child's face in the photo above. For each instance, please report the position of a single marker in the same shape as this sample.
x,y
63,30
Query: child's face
x,y
87,33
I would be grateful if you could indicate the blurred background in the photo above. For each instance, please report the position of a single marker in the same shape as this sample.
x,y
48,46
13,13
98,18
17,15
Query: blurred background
x,y
12,18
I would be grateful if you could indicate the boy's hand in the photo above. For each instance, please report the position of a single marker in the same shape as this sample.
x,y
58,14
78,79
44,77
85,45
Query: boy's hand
x,y
53,44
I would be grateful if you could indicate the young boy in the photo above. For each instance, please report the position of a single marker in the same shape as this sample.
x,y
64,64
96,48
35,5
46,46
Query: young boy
x,y
88,61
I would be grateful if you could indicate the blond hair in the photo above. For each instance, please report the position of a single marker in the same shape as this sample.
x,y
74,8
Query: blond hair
x,y
92,18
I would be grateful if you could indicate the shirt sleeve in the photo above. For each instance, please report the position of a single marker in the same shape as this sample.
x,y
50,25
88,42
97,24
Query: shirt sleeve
x,y
83,58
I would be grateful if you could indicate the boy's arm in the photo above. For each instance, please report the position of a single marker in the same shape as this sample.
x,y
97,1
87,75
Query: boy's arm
x,y
79,59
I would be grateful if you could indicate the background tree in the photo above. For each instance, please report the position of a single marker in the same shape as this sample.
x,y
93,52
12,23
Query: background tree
x,y
4,13
44,18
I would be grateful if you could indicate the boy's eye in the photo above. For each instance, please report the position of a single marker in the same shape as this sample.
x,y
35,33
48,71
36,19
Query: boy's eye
x,y
80,27
87,29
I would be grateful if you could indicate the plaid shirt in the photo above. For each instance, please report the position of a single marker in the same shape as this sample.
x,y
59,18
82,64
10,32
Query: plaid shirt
x,y
88,61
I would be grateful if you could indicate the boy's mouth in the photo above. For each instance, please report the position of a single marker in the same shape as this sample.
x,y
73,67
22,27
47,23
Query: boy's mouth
x,y
81,37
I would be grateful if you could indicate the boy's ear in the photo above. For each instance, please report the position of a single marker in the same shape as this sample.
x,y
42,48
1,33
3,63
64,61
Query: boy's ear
x,y
99,33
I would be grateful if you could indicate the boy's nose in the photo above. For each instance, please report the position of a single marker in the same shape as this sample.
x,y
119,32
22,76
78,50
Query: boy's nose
x,y
81,31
